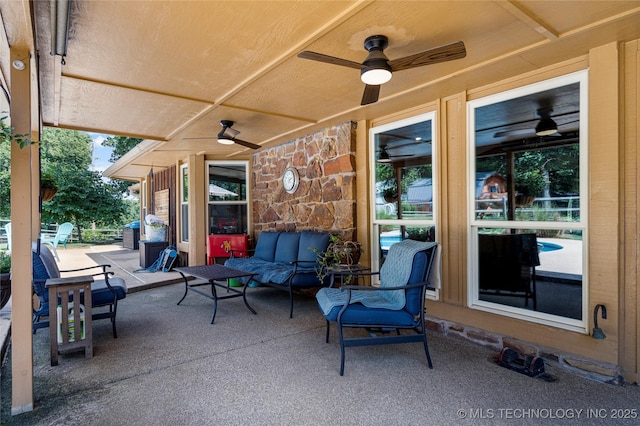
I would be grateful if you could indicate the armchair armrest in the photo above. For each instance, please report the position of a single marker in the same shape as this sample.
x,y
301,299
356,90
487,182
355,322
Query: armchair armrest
x,y
295,262
374,288
104,272
309,268
234,251
350,288
104,268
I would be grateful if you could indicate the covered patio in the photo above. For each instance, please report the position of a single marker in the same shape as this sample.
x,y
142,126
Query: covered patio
x,y
175,74
170,366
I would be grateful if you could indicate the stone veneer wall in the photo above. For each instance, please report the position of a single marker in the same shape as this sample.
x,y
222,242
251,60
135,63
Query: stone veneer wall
x,y
326,197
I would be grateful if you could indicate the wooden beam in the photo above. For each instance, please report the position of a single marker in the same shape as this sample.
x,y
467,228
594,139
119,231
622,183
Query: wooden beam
x,y
529,19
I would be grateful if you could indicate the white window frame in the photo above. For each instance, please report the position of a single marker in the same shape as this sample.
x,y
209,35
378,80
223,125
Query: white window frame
x,y
474,301
246,202
143,204
375,250
184,201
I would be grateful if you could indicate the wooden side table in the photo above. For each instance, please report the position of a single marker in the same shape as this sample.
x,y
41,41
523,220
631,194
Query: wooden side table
x,y
61,289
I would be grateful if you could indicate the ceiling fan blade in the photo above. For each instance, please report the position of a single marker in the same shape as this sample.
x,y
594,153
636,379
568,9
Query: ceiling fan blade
x,y
329,59
371,94
513,132
444,53
247,144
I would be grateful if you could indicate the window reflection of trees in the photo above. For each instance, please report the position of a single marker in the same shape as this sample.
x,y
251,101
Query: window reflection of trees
x,y
522,180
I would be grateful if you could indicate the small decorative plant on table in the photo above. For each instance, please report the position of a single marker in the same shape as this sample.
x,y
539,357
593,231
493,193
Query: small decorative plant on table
x,y
339,253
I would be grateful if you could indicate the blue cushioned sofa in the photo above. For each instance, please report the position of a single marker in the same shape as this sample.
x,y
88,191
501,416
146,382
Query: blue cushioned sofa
x,y
284,260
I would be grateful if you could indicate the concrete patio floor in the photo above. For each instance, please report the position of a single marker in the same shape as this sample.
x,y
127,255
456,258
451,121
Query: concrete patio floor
x,y
170,366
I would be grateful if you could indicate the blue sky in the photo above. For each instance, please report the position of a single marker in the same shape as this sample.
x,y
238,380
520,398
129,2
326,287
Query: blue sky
x,y
101,153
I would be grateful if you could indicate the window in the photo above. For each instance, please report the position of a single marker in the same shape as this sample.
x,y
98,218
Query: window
x,y
404,182
143,202
184,203
527,187
228,198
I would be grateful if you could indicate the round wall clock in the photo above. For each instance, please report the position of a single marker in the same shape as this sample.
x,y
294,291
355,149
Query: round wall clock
x,y
290,179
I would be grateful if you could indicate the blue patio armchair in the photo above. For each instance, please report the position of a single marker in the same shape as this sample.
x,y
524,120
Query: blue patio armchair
x,y
105,292
61,236
397,304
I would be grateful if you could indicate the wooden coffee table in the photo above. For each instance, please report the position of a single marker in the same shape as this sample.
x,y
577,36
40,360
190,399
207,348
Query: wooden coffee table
x,y
212,274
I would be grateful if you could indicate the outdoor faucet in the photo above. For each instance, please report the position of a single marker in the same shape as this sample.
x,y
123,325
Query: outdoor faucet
x,y
597,332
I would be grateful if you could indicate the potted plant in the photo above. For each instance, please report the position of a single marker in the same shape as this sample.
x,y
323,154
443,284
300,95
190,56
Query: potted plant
x,y
48,187
5,278
339,253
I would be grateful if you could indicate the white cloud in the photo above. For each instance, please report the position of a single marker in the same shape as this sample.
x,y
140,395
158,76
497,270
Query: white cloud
x,y
101,154
98,138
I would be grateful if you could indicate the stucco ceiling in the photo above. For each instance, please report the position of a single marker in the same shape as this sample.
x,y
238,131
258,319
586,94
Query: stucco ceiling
x,y
170,71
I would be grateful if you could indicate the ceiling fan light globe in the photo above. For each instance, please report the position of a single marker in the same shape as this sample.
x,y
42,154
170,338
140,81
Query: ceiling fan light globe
x,y
546,126
375,77
384,157
225,141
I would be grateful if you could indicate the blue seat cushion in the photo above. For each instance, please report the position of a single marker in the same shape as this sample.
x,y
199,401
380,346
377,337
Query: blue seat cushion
x,y
287,247
305,277
310,241
102,295
359,314
266,246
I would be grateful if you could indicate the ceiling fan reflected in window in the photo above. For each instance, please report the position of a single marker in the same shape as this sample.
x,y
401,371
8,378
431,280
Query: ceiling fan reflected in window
x,y
545,126
377,69
402,148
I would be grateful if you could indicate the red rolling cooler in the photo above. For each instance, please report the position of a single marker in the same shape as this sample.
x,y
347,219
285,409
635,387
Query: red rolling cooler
x,y
219,246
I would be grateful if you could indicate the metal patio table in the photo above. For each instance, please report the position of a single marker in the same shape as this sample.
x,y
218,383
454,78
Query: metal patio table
x,y
211,274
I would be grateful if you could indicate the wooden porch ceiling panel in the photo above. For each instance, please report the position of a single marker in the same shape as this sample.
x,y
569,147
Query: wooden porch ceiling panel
x,y
171,70
196,50
564,17
138,114
319,91
254,126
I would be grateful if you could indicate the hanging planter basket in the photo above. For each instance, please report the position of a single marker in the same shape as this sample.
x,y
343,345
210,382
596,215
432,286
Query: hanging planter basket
x,y
524,200
47,194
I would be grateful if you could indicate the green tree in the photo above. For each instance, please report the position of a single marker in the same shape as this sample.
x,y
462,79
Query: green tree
x,y
83,196
558,167
121,145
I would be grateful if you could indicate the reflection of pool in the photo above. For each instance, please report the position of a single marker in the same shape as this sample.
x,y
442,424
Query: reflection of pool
x,y
388,240
544,247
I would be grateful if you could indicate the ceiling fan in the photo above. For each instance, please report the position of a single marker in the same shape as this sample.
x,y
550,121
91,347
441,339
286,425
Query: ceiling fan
x,y
377,68
546,126
227,136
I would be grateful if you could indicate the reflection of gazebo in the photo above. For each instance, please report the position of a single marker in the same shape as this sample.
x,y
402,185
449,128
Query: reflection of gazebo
x,y
490,185
218,191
